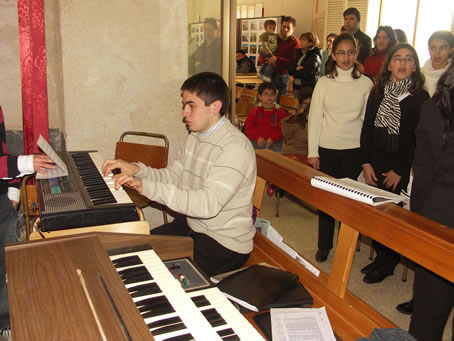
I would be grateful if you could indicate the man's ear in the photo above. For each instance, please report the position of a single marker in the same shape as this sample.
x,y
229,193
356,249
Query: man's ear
x,y
216,106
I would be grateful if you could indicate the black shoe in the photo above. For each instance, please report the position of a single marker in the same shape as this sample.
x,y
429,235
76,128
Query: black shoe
x,y
368,268
321,255
405,308
375,276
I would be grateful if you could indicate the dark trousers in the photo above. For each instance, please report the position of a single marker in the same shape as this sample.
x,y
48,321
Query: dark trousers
x,y
8,218
433,299
386,259
344,163
209,255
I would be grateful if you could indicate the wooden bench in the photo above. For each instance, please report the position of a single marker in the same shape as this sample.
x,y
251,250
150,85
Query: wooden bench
x,y
415,237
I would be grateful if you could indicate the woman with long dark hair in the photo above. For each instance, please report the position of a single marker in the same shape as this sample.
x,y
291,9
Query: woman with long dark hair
x,y
432,196
384,41
388,139
335,120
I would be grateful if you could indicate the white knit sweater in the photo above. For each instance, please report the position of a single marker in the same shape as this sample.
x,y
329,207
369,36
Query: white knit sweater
x,y
211,182
337,112
432,76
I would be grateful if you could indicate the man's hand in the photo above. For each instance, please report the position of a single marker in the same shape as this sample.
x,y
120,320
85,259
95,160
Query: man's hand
x,y
391,179
314,162
269,142
42,161
369,174
14,203
261,142
129,181
125,168
272,60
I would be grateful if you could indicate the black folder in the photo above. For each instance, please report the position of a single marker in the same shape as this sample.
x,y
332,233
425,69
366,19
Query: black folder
x,y
257,286
294,297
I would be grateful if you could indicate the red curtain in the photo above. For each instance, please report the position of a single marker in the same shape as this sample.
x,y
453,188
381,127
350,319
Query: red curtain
x,y
32,42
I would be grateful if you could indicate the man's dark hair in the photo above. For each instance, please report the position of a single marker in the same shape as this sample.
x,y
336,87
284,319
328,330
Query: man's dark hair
x,y
443,35
267,85
241,51
209,87
354,11
290,20
213,22
269,22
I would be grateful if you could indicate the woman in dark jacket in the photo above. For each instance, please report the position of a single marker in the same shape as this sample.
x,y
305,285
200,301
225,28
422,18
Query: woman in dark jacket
x,y
388,138
306,67
432,196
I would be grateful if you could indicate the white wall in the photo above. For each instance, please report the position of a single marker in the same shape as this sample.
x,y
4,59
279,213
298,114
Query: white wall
x,y
10,78
121,65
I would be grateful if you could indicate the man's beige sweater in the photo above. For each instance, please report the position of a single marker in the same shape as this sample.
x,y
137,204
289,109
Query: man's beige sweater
x,y
212,182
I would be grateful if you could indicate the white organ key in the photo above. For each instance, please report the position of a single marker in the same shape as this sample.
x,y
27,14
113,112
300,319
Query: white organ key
x,y
120,195
195,322
229,313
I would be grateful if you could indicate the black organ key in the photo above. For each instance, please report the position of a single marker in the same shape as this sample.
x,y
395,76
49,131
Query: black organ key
x,y
154,306
164,322
144,289
213,317
184,337
135,274
168,329
200,301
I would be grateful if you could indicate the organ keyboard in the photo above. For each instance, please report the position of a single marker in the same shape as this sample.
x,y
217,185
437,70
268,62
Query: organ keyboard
x,y
47,301
173,314
84,197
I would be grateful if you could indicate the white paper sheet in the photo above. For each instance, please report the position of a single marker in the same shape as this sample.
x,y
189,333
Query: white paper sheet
x,y
60,170
309,324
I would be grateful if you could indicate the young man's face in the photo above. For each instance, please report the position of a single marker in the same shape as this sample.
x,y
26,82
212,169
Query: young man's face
x,y
239,56
268,97
351,23
439,51
287,29
197,116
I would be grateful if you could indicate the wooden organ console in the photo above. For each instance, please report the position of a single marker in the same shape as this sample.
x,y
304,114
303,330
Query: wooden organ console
x,y
47,299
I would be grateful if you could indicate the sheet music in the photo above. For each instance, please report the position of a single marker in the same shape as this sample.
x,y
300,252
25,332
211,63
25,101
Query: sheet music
x,y
60,170
311,324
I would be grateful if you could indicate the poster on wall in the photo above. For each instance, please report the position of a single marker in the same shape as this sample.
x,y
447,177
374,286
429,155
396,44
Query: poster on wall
x,y
248,33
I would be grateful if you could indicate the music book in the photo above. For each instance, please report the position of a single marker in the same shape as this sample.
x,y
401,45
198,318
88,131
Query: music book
x,y
295,296
355,190
257,286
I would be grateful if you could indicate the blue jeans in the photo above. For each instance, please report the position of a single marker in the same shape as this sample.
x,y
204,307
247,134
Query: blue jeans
x,y
281,82
267,70
8,218
275,147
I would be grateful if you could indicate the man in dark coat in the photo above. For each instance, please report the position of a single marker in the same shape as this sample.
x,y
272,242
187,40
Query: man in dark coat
x,y
352,17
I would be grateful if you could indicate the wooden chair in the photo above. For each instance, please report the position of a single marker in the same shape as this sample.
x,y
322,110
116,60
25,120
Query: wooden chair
x,y
238,92
257,199
149,154
290,104
290,90
249,95
242,110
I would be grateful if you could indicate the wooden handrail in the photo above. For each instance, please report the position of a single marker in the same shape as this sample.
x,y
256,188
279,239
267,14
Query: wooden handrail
x,y
424,241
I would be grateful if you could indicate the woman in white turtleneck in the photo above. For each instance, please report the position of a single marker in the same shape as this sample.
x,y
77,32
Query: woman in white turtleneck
x,y
441,47
335,120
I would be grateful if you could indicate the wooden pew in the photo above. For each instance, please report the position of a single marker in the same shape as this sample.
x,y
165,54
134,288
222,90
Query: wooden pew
x,y
417,238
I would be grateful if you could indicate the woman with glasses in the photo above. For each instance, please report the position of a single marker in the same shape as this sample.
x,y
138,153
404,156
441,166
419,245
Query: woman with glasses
x,y
335,120
388,138
384,41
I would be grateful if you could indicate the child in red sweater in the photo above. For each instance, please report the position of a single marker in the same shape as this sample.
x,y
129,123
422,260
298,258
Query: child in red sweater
x,y
263,124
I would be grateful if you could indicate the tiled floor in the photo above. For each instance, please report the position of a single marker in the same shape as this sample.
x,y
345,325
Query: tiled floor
x,y
297,223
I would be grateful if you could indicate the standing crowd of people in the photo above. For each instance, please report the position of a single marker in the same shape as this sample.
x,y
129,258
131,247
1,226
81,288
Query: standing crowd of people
x,y
373,114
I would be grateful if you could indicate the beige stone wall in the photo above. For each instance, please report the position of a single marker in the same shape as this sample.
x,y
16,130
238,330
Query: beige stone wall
x,y
10,81
120,65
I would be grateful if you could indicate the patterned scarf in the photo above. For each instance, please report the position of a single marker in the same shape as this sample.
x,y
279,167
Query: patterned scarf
x,y
388,115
